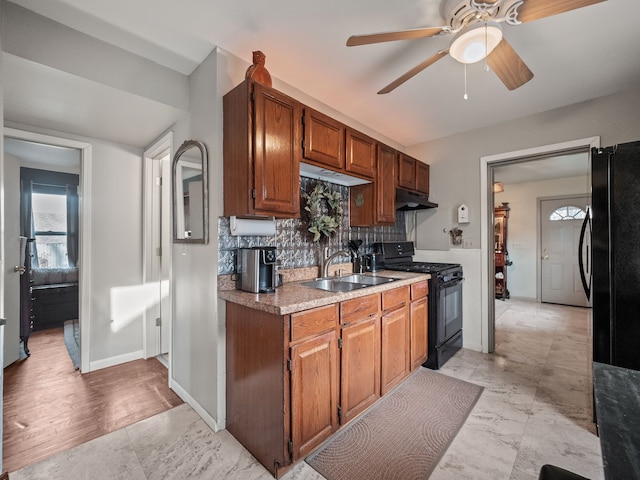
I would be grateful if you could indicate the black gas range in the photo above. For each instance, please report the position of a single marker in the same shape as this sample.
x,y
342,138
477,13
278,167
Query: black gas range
x,y
445,298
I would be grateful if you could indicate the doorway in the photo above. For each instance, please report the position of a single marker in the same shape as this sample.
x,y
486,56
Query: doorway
x,y
157,248
48,152
489,166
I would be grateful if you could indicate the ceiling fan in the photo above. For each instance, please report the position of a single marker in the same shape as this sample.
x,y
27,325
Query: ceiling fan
x,y
477,26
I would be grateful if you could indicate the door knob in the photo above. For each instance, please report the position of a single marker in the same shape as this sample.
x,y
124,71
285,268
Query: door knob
x,y
19,270
544,257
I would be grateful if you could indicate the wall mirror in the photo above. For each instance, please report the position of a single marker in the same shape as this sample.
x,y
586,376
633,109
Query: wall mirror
x,y
190,193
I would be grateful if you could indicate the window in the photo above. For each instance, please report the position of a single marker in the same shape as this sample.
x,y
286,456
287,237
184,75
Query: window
x,y
568,212
50,225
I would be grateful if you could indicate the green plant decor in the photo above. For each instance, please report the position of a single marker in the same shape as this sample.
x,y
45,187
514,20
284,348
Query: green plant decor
x,y
324,209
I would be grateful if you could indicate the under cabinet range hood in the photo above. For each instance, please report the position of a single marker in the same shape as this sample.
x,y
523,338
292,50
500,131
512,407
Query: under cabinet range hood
x,y
327,175
406,200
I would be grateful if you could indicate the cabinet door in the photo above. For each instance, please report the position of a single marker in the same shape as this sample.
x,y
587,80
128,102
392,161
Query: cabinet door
x,y
323,139
419,332
386,186
395,348
360,154
277,151
422,177
360,380
314,392
406,172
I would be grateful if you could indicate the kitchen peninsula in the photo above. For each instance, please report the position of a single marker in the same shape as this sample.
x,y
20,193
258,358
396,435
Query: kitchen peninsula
x,y
303,362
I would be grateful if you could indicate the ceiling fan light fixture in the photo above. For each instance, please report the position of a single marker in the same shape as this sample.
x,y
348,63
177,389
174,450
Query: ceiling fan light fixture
x,y
475,42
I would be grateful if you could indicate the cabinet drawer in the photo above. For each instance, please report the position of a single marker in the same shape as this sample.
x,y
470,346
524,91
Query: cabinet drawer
x,y
419,290
395,297
499,259
313,322
359,308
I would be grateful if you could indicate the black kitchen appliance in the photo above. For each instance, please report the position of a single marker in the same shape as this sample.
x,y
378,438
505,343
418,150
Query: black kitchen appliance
x,y
615,240
257,269
444,303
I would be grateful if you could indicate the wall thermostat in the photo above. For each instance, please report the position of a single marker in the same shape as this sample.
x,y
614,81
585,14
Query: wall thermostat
x,y
463,214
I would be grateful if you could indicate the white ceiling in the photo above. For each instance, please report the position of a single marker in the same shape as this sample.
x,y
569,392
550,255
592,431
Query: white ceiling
x,y
575,56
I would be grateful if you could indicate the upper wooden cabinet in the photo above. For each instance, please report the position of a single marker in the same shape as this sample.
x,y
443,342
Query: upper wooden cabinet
x,y
413,174
375,203
385,186
262,150
360,156
323,140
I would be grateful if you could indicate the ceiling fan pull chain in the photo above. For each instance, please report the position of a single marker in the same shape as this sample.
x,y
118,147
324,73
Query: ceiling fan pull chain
x,y
486,48
466,97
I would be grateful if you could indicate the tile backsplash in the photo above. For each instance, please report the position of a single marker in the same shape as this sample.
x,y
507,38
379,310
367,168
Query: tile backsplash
x,y
295,246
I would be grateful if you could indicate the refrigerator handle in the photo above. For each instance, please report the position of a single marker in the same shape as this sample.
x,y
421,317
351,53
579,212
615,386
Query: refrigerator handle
x,y
583,275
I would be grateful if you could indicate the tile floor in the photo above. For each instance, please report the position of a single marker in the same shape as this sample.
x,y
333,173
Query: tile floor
x,y
535,409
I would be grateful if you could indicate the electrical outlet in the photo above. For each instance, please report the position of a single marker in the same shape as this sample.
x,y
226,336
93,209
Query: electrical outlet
x,y
467,243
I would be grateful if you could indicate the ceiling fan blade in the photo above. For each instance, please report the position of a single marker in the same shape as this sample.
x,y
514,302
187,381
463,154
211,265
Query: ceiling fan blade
x,y
508,66
414,71
534,9
400,35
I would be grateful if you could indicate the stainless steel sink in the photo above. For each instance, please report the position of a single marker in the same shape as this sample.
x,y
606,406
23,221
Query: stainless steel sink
x,y
347,283
368,279
334,285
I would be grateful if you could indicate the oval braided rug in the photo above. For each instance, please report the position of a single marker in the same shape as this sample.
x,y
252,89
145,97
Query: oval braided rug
x,y
404,435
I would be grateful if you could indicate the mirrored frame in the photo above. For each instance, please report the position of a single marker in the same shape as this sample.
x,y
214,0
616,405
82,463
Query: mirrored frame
x,y
190,173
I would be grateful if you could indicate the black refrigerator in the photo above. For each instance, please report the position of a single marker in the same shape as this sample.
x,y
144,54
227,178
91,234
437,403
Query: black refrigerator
x,y
615,240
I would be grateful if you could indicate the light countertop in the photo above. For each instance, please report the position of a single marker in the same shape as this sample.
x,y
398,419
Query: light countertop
x,y
294,297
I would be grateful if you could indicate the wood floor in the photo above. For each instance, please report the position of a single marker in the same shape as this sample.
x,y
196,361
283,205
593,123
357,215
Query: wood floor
x,y
50,407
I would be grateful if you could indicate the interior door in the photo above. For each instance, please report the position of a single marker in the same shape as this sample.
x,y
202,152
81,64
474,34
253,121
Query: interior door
x,y
560,226
12,259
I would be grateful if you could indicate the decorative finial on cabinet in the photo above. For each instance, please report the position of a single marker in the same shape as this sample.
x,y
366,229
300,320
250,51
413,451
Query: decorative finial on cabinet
x,y
257,71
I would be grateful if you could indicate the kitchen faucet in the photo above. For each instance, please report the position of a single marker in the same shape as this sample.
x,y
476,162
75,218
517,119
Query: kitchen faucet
x,y
327,259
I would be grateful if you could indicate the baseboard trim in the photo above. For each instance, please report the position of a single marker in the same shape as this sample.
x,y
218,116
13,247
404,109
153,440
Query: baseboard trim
x,y
117,360
182,393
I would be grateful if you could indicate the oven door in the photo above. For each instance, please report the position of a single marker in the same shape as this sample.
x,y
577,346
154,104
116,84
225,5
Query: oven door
x,y
450,310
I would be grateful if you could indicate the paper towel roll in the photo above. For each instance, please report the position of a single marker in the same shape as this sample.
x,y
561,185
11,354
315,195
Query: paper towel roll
x,y
247,226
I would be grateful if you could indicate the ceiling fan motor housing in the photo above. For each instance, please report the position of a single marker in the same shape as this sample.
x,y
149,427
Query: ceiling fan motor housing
x,y
459,14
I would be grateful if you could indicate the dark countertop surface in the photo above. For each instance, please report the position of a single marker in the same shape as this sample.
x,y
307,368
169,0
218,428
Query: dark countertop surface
x,y
617,398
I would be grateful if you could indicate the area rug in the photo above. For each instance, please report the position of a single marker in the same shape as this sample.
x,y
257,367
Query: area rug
x,y
404,435
72,341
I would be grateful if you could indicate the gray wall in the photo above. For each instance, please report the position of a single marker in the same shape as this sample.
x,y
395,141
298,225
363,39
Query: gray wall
x,y
455,164
455,179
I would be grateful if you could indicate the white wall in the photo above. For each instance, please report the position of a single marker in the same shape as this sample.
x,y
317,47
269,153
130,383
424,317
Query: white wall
x,y
116,253
2,274
523,234
198,339
455,171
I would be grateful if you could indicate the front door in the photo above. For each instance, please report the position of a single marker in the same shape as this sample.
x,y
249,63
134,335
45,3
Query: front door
x,y
560,224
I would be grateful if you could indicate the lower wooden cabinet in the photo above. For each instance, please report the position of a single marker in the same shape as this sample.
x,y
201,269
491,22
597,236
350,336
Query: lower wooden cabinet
x,y
394,338
292,380
419,333
314,392
419,315
360,356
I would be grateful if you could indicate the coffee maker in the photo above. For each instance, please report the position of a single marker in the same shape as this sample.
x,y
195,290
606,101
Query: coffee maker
x,y
257,269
